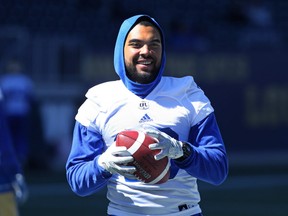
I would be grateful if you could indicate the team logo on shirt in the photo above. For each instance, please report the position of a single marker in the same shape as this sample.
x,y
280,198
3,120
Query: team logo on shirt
x,y
143,105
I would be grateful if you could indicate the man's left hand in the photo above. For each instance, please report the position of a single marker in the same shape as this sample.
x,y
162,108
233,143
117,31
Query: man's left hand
x,y
169,146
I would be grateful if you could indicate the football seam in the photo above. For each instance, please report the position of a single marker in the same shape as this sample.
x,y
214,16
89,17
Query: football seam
x,y
137,144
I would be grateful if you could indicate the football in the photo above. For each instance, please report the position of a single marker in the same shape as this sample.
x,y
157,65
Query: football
x,y
148,170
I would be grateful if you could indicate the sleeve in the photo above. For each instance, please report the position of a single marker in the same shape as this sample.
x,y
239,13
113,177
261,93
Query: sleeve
x,y
208,161
82,171
9,164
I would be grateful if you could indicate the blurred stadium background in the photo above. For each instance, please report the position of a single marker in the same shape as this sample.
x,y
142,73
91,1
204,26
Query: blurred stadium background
x,y
236,50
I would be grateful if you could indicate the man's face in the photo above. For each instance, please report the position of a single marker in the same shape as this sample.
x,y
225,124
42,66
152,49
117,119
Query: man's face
x,y
142,53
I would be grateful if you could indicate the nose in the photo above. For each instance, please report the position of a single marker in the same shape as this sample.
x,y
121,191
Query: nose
x,y
144,50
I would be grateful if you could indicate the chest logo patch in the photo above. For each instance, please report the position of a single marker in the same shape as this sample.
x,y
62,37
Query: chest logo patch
x,y
143,105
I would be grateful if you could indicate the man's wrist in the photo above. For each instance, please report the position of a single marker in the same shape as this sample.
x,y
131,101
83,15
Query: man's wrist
x,y
187,151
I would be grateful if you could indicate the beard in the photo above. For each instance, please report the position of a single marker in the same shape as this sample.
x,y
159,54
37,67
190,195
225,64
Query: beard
x,y
141,76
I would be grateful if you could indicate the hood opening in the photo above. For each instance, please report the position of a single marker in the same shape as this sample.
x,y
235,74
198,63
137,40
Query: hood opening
x,y
141,90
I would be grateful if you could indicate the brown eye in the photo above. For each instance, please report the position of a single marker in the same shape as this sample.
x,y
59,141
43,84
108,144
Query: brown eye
x,y
135,45
155,45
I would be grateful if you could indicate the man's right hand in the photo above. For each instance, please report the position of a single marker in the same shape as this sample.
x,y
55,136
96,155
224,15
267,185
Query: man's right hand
x,y
115,160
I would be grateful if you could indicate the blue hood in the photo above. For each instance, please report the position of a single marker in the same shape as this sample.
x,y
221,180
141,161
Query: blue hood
x,y
141,90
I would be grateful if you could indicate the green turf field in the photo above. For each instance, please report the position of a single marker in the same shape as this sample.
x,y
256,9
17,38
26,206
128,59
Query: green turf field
x,y
243,194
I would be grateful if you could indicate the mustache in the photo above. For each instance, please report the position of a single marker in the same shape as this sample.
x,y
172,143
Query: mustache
x,y
145,59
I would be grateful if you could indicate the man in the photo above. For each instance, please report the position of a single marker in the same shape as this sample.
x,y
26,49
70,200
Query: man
x,y
12,183
176,112
17,89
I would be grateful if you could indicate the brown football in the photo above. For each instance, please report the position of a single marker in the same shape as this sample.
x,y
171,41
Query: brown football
x,y
148,170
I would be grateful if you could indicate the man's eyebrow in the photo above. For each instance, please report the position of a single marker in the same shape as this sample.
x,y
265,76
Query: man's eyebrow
x,y
137,40
156,40
134,40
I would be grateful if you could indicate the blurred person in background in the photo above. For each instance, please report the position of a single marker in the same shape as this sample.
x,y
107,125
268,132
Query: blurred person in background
x,y
13,189
17,90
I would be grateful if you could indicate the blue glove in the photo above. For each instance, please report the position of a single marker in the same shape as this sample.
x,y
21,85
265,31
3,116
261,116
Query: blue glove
x,y
169,146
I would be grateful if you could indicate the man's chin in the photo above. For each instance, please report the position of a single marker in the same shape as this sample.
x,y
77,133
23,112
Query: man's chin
x,y
145,77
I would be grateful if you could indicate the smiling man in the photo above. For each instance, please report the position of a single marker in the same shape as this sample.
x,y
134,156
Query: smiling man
x,y
173,110
143,52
